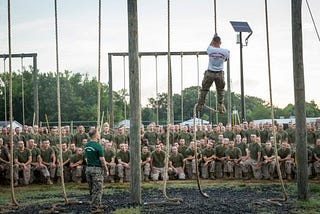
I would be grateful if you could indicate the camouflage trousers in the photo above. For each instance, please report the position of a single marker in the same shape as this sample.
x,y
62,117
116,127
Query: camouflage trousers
x,y
268,169
111,171
208,168
52,170
209,77
234,169
178,173
220,167
191,168
123,172
76,173
43,170
94,177
146,168
66,173
253,165
316,166
5,170
26,172
286,168
156,172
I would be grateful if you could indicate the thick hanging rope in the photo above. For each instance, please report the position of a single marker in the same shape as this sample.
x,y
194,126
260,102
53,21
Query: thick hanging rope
x,y
165,177
215,16
196,152
314,23
58,101
285,194
99,69
13,197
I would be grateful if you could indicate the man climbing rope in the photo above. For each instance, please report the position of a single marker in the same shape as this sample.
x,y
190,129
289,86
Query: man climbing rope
x,y
217,56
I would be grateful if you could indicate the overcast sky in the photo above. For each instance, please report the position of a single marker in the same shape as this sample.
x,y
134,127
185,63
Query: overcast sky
x,y
192,27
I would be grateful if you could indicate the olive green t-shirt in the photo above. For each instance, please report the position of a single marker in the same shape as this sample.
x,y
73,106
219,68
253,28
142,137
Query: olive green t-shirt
x,y
254,149
234,153
158,158
284,153
177,160
124,156
22,156
108,155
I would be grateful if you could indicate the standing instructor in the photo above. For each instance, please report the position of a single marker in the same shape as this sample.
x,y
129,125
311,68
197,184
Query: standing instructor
x,y
95,169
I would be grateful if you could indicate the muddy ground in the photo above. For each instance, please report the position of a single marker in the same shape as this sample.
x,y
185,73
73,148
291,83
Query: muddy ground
x,y
239,199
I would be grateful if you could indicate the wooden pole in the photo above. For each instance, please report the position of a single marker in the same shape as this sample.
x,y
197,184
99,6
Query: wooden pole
x,y
299,95
229,91
135,102
110,92
35,90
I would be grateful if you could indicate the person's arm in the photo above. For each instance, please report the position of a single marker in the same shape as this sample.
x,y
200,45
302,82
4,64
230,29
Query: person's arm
x,y
104,164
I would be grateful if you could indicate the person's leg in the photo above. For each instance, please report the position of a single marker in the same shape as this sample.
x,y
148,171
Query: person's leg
x,y
220,84
206,84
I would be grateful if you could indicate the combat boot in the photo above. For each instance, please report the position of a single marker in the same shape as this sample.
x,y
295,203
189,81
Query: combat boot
x,y
146,178
221,108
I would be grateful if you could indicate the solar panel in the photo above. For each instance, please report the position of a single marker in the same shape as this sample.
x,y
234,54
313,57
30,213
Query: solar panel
x,y
241,26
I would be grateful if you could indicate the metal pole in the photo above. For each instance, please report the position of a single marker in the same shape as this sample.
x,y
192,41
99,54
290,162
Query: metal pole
x,y
299,93
243,114
135,102
110,92
229,91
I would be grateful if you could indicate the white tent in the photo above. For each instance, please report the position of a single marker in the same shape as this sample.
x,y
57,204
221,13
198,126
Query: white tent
x,y
198,122
124,122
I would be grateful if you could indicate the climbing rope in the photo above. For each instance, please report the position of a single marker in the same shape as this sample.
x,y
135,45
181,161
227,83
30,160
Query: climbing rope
x,y
165,176
196,151
59,100
285,194
314,23
13,197
215,16
99,67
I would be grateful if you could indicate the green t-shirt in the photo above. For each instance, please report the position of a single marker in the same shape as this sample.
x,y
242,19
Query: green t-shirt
x,y
234,153
229,134
4,154
124,156
316,151
121,138
35,152
221,151
254,149
158,158
151,137
65,155
22,156
75,158
145,156
187,137
109,155
242,146
177,160
267,153
93,152
107,136
77,138
46,155
183,150
208,152
284,153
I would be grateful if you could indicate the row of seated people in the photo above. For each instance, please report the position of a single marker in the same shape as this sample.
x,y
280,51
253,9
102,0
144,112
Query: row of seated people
x,y
215,161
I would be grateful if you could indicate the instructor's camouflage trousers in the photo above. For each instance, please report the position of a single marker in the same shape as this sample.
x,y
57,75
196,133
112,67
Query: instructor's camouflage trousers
x,y
95,180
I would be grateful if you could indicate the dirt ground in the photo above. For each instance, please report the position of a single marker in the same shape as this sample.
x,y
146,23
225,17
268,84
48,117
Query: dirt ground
x,y
238,199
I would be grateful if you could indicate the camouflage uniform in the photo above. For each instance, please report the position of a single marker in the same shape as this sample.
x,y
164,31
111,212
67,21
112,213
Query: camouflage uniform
x,y
269,163
157,160
285,165
208,165
253,161
146,168
22,157
76,165
176,163
233,162
123,158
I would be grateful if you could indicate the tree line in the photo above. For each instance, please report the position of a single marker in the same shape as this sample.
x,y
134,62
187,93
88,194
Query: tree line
x,y
79,101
